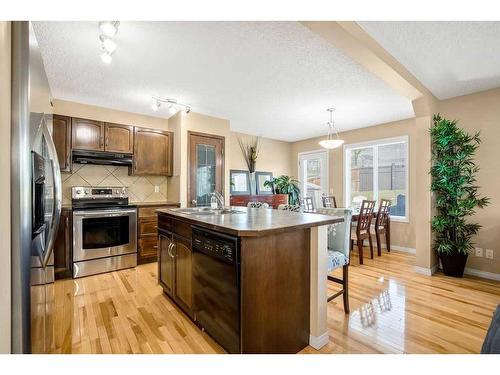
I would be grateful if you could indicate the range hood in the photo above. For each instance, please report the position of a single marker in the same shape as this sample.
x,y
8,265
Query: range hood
x,y
101,158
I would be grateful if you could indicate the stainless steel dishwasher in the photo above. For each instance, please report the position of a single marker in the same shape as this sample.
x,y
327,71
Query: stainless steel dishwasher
x,y
216,286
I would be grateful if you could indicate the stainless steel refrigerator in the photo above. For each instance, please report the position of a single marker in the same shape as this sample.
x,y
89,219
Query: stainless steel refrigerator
x,y
35,197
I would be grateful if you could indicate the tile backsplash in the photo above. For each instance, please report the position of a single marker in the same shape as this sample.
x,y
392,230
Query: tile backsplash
x,y
141,189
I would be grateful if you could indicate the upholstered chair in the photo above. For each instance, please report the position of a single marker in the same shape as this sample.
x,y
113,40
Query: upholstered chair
x,y
290,207
339,237
258,205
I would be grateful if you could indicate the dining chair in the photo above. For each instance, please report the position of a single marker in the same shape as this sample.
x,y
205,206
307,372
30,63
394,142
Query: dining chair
x,y
329,201
290,207
382,223
307,203
361,231
339,236
257,205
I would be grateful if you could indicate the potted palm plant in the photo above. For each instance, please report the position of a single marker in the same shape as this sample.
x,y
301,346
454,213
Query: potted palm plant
x,y
453,174
285,185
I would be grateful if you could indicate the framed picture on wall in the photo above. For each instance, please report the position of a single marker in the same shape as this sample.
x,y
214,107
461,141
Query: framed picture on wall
x,y
260,178
239,182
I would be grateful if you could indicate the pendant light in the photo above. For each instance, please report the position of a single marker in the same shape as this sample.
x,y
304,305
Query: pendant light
x,y
333,140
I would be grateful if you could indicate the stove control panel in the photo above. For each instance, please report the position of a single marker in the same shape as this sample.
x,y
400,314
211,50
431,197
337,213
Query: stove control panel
x,y
85,192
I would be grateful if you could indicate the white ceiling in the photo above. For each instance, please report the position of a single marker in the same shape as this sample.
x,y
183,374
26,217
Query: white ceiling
x,y
273,79
449,58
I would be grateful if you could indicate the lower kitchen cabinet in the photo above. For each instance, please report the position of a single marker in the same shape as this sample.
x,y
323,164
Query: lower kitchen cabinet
x,y
183,256
166,263
63,254
147,232
175,264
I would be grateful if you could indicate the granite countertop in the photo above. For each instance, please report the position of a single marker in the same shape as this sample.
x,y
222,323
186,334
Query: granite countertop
x,y
255,221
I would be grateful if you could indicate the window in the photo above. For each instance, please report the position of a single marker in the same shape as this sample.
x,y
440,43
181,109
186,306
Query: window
x,y
378,170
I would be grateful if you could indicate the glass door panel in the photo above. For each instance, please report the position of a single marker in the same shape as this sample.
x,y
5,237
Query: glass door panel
x,y
361,177
205,173
314,175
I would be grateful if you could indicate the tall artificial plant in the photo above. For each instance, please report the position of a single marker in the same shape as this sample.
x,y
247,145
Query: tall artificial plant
x,y
453,174
285,185
250,151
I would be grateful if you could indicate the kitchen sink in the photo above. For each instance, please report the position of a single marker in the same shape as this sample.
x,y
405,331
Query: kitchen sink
x,y
206,211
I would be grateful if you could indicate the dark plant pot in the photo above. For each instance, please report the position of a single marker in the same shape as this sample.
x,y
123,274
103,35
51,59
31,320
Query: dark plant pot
x,y
453,264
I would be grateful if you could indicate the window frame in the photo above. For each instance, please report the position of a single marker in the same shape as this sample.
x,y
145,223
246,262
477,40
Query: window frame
x,y
375,144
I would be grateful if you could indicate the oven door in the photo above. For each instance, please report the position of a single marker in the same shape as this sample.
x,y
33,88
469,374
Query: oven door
x,y
104,233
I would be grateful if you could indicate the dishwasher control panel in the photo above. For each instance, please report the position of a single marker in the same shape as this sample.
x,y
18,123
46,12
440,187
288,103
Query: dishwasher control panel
x,y
216,244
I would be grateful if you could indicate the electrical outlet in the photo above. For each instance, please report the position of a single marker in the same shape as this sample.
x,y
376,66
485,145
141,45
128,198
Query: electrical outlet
x,y
489,253
157,189
478,252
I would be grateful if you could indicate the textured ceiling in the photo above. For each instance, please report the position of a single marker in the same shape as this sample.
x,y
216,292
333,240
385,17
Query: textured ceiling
x,y
273,79
449,58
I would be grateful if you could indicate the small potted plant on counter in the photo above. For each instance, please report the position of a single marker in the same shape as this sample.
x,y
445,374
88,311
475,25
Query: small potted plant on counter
x,y
453,174
285,185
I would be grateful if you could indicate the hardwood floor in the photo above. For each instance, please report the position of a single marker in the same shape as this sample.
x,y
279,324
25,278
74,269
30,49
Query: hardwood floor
x,y
393,310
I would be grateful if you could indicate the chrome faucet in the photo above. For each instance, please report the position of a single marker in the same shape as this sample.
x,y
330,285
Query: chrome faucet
x,y
220,199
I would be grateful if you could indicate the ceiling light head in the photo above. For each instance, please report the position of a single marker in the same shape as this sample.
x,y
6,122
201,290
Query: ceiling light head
x,y
108,44
332,140
109,28
106,58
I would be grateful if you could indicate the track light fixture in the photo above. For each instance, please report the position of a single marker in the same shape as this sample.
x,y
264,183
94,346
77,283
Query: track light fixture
x,y
172,104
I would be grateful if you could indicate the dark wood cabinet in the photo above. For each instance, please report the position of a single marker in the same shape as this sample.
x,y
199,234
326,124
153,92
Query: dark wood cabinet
x,y
63,254
274,200
152,152
175,263
165,263
87,134
61,135
183,256
118,138
147,233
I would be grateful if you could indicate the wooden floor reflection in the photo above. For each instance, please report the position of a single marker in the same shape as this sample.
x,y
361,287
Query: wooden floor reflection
x,y
393,310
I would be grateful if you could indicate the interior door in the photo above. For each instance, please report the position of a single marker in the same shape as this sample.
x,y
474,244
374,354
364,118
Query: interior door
x,y
313,175
206,167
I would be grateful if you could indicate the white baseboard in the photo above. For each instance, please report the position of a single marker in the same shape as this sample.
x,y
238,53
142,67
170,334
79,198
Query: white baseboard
x,y
317,342
426,271
403,249
483,274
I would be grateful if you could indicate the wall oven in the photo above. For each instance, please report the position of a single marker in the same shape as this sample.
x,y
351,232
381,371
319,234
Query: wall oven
x,y
104,232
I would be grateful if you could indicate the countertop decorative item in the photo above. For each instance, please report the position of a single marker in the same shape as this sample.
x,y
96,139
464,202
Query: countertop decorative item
x,y
453,174
250,152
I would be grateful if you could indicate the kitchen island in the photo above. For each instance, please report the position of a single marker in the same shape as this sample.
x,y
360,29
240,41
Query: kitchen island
x,y
254,279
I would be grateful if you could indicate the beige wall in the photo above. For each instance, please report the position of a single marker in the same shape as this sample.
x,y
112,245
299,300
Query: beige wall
x,y
481,111
402,233
274,156
5,78
63,107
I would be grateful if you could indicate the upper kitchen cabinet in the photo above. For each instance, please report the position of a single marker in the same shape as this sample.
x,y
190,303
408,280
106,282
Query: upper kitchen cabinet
x,y
118,138
153,152
61,134
87,134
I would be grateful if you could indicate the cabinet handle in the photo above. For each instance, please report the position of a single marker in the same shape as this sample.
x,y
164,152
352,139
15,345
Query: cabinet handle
x,y
173,247
168,250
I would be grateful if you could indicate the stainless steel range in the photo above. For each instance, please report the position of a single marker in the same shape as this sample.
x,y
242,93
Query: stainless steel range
x,y
104,230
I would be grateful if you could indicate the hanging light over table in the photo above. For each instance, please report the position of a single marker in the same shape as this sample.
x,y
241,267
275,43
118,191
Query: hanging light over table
x,y
333,140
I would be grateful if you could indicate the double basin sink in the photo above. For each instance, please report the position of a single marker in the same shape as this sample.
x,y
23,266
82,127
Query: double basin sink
x,y
206,211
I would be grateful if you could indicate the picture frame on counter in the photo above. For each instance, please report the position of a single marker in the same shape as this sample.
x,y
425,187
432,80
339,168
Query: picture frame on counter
x,y
260,178
239,182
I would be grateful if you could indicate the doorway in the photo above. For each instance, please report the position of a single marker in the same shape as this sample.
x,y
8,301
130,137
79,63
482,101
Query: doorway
x,y
313,175
206,167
